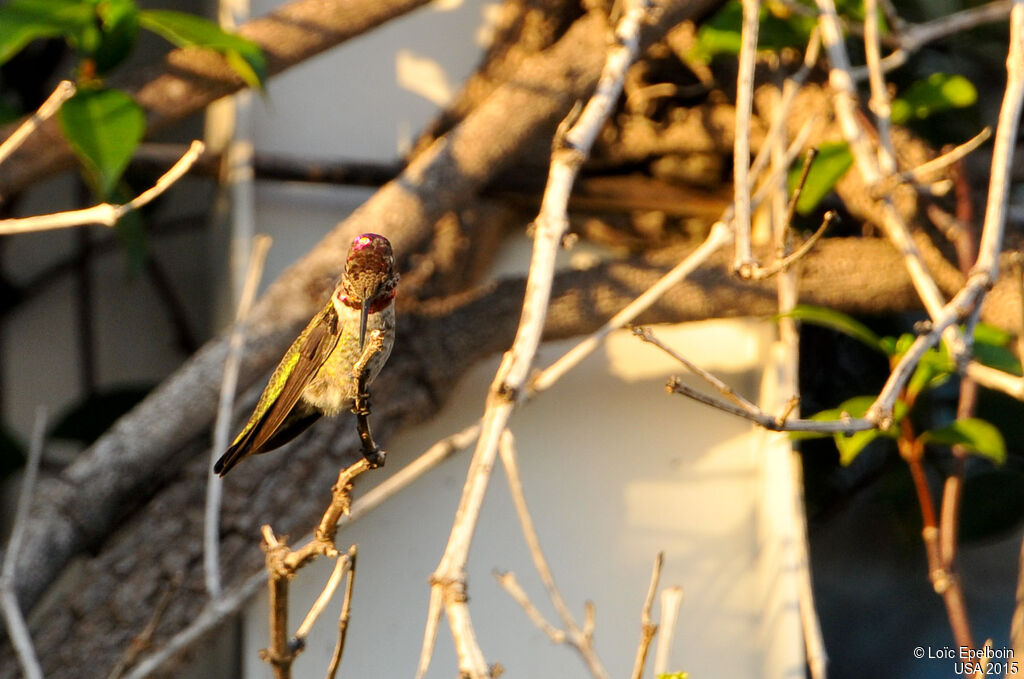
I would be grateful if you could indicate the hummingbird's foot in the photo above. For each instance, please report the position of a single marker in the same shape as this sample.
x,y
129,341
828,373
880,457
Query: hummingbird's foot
x,y
361,404
375,457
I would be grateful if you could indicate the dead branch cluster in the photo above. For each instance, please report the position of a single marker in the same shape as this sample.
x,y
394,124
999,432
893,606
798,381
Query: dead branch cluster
x,y
656,144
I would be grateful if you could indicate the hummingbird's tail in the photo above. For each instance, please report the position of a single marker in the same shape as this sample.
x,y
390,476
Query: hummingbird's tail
x,y
229,459
254,440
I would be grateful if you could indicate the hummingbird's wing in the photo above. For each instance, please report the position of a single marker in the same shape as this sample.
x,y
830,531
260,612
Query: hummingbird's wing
x,y
300,363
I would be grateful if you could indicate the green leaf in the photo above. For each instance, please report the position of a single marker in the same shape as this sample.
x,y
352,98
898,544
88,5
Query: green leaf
x,y
103,127
131,231
991,348
838,321
938,92
185,30
778,28
934,368
1000,358
850,446
720,34
674,675
119,26
831,163
991,335
26,20
902,345
978,436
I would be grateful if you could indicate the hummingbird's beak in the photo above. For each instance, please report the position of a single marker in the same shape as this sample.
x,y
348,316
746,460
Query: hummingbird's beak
x,y
363,313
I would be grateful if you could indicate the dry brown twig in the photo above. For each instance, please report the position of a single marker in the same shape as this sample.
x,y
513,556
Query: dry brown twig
x,y
648,628
282,563
231,601
344,616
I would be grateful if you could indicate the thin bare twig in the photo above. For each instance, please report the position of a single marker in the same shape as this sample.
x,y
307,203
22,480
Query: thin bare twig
x,y
65,90
570,149
144,639
916,36
784,259
341,566
805,247
879,101
671,600
743,261
106,214
866,160
17,629
508,582
967,302
234,598
922,172
648,628
742,407
579,638
209,618
344,616
719,236
221,428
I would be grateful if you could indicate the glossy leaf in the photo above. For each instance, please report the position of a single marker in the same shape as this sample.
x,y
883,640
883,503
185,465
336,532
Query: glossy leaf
x,y
829,166
186,30
991,347
131,232
838,321
119,26
22,21
851,445
934,368
938,92
978,436
778,28
103,127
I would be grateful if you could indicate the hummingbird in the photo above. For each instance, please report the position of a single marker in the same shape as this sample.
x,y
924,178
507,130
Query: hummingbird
x,y
315,377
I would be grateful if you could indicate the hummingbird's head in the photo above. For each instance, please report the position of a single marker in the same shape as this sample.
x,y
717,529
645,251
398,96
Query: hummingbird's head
x,y
369,282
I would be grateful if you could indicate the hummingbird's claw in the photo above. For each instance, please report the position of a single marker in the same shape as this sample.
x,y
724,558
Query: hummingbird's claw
x,y
375,457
